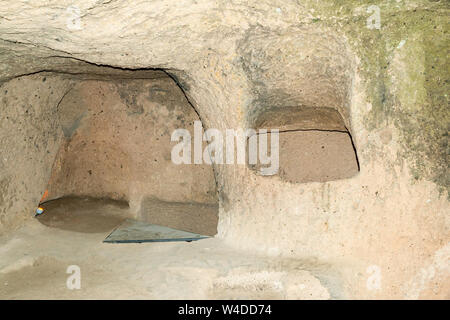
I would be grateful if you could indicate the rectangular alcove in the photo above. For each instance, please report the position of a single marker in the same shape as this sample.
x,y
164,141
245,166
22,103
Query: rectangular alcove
x,y
314,144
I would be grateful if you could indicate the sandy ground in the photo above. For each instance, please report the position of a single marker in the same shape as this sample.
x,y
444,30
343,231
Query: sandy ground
x,y
34,262
84,214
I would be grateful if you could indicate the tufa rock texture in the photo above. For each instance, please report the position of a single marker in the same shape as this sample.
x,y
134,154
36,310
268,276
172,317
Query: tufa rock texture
x,y
236,62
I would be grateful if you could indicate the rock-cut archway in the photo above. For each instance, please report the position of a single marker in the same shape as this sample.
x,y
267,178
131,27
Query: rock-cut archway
x,y
115,158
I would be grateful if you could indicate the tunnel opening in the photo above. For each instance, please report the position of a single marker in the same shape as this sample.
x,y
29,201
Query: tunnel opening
x,y
315,144
114,162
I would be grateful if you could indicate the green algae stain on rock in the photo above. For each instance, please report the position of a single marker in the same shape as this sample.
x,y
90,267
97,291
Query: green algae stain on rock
x,y
419,83
404,67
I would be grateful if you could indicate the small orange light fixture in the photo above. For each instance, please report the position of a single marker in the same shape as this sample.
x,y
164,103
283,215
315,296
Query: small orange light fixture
x,y
44,196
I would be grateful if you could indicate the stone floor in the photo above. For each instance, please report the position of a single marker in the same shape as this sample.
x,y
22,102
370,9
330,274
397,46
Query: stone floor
x,y
34,261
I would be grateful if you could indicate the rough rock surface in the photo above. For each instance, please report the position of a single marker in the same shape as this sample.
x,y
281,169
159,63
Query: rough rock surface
x,y
236,60
118,144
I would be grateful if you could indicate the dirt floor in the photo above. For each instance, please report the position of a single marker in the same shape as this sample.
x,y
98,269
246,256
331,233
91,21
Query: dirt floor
x,y
34,262
84,214
91,215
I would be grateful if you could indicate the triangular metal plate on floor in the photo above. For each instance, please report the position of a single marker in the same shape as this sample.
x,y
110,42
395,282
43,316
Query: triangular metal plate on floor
x,y
132,231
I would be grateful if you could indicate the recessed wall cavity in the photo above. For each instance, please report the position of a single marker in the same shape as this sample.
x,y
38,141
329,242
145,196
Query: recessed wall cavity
x,y
303,91
117,145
